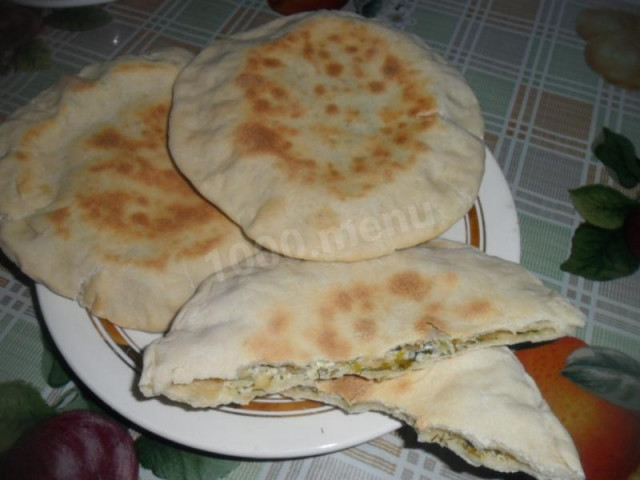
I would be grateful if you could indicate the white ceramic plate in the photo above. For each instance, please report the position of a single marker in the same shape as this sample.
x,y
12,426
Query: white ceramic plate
x,y
107,359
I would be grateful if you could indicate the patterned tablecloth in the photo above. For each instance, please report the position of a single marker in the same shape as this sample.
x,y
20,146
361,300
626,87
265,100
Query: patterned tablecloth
x,y
543,107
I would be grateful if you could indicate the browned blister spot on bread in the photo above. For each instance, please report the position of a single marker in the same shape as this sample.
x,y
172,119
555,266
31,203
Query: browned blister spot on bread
x,y
272,62
403,385
149,262
365,328
198,249
332,109
434,308
154,121
324,218
479,307
332,343
376,86
261,106
258,139
425,324
35,134
134,216
359,296
135,194
410,285
22,156
341,64
143,171
343,300
60,221
364,296
110,139
273,348
448,279
279,322
334,69
392,67
270,342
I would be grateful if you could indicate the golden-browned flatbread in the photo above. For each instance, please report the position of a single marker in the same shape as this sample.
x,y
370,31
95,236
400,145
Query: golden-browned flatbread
x,y
481,404
282,322
327,136
91,204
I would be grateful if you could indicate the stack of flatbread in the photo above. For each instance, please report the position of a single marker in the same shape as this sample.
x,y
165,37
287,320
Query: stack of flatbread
x,y
268,201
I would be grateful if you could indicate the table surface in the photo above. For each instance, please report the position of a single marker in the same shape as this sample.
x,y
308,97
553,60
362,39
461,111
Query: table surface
x,y
543,109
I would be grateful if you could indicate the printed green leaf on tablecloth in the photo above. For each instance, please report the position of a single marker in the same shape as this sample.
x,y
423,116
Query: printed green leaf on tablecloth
x,y
607,373
21,407
618,154
605,247
171,463
600,254
602,206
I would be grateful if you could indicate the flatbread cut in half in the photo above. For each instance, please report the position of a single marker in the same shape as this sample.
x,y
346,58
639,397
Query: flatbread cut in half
x,y
481,404
327,136
283,322
91,204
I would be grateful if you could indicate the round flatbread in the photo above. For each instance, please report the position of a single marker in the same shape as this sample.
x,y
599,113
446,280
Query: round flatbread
x,y
326,136
91,204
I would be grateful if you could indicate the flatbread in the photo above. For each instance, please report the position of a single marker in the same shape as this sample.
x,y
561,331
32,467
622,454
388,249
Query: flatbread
x,y
91,204
275,322
327,136
481,404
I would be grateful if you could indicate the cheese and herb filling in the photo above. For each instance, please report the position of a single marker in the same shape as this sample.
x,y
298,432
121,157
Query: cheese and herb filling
x,y
468,450
263,379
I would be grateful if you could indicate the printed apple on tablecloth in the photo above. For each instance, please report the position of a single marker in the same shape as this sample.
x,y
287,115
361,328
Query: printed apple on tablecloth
x,y
606,434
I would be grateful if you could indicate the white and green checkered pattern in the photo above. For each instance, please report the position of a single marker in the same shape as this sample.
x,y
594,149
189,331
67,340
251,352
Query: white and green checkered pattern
x,y
543,109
